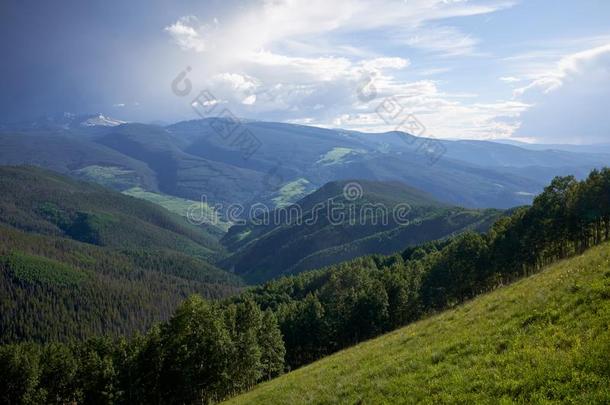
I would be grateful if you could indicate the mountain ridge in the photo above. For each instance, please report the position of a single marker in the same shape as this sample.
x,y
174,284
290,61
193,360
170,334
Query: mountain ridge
x,y
381,218
194,159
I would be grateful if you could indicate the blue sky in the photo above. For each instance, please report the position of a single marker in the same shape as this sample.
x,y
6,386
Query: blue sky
x,y
529,69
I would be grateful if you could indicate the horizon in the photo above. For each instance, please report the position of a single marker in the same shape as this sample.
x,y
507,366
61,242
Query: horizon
x,y
506,141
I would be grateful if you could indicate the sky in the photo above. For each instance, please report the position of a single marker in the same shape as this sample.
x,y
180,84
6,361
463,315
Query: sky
x,y
530,70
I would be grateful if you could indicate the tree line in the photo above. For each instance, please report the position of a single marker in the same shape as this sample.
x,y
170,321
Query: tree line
x,y
211,350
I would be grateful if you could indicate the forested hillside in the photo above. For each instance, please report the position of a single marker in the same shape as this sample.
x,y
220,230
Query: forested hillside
x,y
43,202
288,323
78,260
76,155
179,172
328,227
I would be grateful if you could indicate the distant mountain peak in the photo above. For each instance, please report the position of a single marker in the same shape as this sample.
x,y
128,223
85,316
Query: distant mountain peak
x,y
64,121
101,120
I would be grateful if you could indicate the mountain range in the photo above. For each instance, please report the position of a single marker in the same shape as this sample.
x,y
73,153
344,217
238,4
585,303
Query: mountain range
x,y
235,161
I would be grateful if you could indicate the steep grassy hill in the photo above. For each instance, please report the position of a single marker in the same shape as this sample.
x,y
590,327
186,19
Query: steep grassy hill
x,y
544,339
307,235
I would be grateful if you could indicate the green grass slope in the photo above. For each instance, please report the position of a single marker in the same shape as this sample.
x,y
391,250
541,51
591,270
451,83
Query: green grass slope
x,y
181,206
544,339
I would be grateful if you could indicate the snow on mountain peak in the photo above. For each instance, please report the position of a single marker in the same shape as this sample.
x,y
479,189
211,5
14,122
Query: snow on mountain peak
x,y
101,120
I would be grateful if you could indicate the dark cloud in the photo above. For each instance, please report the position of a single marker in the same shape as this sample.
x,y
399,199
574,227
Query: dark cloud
x,y
84,56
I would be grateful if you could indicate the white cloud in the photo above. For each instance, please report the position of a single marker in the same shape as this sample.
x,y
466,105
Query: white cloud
x,y
235,87
386,63
188,34
442,117
302,61
567,67
570,99
590,61
448,41
237,81
320,68
271,22
249,100
433,71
